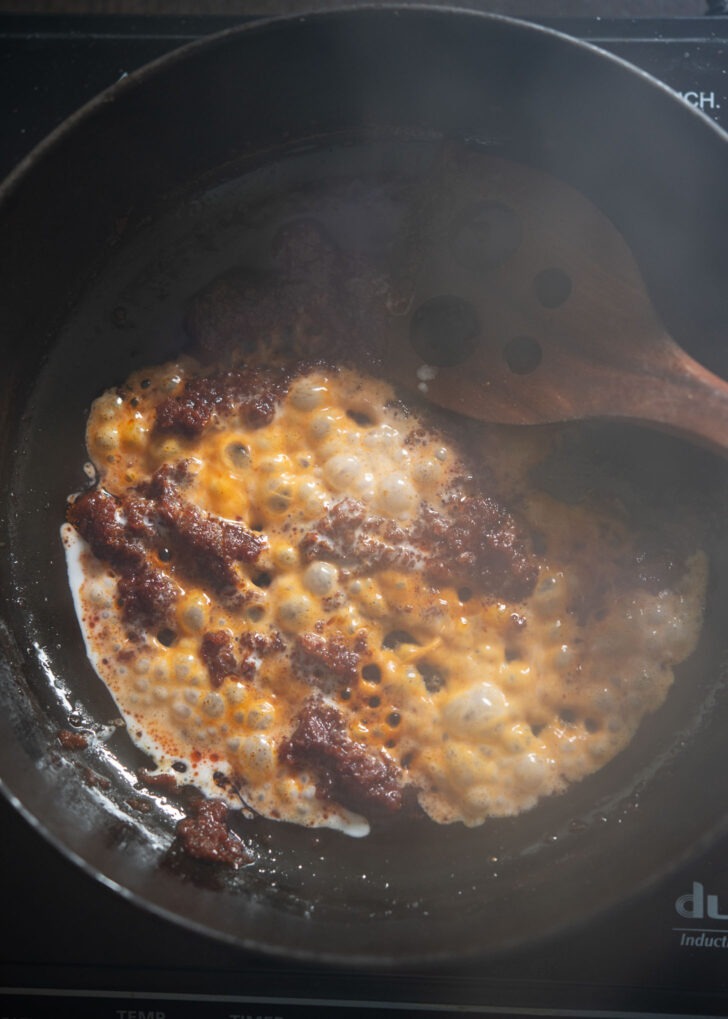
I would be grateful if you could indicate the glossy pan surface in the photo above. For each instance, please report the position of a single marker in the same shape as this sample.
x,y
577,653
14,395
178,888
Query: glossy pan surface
x,y
108,230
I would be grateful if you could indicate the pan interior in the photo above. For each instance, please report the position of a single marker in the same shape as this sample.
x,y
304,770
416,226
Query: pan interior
x,y
411,888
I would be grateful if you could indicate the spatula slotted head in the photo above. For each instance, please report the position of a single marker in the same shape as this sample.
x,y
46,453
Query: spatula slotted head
x,y
519,302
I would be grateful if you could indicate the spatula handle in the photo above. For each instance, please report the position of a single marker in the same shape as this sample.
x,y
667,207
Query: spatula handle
x,y
681,397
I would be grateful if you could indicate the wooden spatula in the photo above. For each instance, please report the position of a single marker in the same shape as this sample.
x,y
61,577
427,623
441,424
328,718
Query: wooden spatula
x,y
518,302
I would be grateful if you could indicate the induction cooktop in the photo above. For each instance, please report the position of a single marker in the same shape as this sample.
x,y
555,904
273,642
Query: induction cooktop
x,y
72,947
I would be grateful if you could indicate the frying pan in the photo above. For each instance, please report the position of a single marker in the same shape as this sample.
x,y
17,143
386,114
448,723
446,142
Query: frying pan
x,y
154,189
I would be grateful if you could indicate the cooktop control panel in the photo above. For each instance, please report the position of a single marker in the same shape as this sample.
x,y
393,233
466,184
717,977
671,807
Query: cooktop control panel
x,y
50,66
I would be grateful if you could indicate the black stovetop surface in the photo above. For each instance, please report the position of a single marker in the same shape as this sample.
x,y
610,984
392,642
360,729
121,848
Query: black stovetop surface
x,y
70,946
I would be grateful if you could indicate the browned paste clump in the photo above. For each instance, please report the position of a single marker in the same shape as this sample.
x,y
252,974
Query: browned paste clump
x,y
204,835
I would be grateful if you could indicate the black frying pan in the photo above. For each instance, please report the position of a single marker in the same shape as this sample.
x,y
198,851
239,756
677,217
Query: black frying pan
x,y
161,184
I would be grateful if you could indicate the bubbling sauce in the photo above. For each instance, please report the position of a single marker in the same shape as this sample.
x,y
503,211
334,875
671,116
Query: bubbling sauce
x,y
325,605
